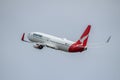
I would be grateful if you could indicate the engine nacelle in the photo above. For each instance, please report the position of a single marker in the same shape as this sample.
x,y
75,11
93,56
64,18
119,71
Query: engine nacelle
x,y
38,46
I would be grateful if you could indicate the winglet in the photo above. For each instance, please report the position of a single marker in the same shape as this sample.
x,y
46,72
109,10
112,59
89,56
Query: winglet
x,y
22,38
108,40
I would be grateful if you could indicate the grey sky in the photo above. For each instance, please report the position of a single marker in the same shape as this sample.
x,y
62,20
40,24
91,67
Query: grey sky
x,y
66,19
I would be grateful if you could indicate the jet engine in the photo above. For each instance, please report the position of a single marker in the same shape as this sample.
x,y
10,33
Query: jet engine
x,y
38,46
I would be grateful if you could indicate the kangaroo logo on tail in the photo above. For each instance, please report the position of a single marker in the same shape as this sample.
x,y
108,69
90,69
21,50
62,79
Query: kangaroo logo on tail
x,y
80,45
84,38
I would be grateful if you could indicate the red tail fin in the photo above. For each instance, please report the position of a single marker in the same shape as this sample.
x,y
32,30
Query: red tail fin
x,y
84,38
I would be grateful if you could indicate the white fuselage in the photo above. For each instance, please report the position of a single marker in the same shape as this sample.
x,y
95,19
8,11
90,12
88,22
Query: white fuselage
x,y
50,41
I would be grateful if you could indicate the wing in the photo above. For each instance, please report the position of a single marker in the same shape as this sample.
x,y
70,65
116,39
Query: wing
x,y
99,44
41,45
51,46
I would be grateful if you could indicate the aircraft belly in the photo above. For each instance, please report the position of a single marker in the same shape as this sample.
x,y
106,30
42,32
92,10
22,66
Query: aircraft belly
x,y
63,47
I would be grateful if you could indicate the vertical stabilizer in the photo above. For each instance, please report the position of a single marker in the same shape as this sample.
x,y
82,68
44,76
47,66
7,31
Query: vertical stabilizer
x,y
84,37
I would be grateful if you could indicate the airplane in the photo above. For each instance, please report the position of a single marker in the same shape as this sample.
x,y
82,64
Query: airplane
x,y
45,40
